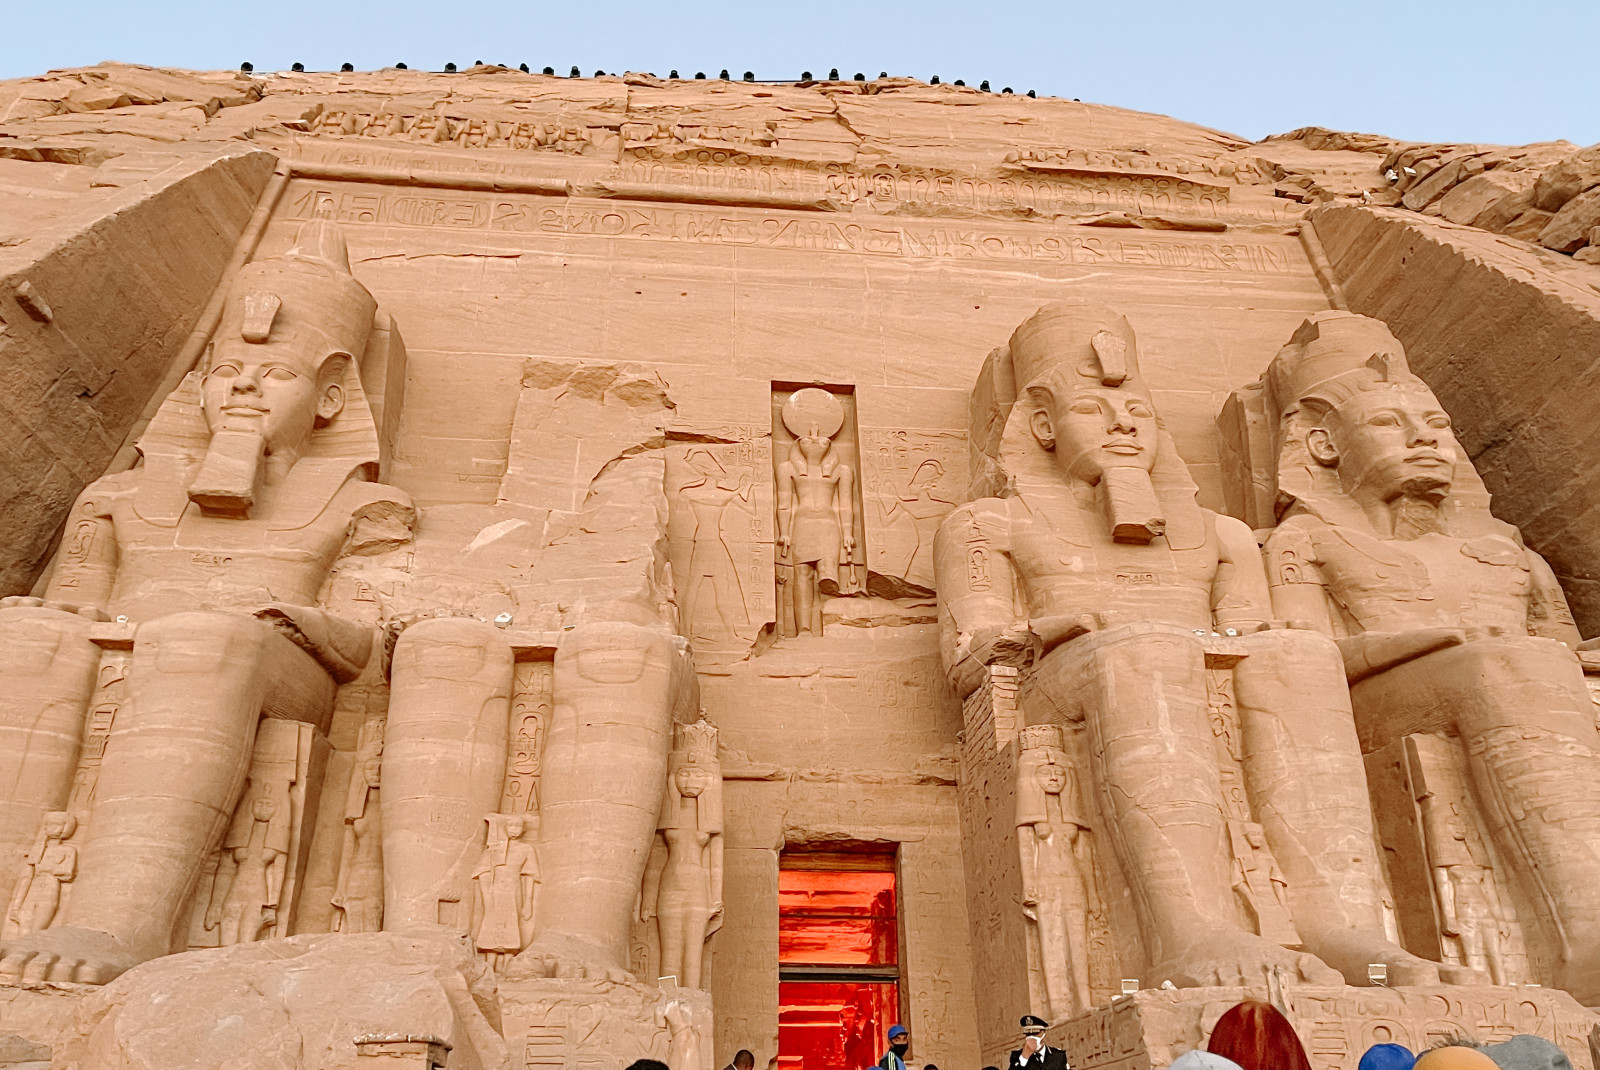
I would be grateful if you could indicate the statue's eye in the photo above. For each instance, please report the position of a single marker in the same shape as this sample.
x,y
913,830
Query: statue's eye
x,y
1384,419
1142,412
283,375
225,371
1087,407
1439,420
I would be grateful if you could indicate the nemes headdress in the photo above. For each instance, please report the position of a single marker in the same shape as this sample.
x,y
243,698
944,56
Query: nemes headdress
x,y
1083,340
1332,357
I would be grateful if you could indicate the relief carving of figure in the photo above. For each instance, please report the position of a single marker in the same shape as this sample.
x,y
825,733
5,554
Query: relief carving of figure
x,y
1260,884
1105,579
683,885
1058,878
816,513
249,884
52,863
507,877
358,895
256,480
1445,620
713,576
1470,912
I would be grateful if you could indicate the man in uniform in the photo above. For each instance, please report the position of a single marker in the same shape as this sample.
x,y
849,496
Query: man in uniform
x,y
1035,1054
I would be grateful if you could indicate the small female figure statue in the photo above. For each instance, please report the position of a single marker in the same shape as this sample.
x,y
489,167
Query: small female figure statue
x,y
683,882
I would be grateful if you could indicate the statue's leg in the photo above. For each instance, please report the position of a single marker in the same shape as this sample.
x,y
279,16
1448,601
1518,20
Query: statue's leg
x,y
1526,718
47,676
173,769
1308,788
444,762
605,766
1142,692
672,924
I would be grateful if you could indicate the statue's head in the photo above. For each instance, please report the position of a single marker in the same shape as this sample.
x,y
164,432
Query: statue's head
x,y
60,825
1086,402
290,328
515,827
1342,391
1254,836
1052,778
372,771
813,416
692,780
263,808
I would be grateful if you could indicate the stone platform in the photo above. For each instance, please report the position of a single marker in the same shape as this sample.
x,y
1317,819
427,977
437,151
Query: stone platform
x,y
1148,1029
302,1003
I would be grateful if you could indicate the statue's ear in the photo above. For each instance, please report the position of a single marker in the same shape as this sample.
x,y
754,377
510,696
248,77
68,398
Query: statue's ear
x,y
1039,421
1319,443
330,387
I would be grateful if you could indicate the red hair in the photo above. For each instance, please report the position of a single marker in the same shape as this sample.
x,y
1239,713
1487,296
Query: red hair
x,y
1257,1037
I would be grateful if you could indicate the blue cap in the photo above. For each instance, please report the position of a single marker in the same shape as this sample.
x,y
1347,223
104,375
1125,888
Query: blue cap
x,y
1387,1057
897,1031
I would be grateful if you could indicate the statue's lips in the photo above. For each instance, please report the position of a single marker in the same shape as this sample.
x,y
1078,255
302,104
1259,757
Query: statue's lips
x,y
1124,446
1427,457
243,410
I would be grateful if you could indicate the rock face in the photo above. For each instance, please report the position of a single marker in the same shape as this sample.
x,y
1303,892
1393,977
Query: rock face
x,y
544,572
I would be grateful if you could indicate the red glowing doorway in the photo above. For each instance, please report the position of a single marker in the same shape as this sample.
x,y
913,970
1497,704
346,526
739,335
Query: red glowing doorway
x,y
838,958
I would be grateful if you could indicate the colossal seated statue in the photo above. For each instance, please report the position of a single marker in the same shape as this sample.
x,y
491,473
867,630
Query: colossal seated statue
x,y
1103,578
1447,623
255,482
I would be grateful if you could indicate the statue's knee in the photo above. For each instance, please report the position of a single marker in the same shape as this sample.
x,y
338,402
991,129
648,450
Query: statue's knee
x,y
199,641
452,648
616,652
1291,649
35,641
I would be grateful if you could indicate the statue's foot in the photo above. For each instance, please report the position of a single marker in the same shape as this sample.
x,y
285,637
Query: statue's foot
x,y
85,956
1233,958
565,959
1352,953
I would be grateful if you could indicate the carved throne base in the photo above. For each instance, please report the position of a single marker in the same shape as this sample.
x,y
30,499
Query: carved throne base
x,y
570,1024
1150,1028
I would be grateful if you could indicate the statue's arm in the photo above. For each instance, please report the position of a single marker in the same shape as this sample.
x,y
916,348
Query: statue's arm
x,y
847,509
1548,613
651,890
715,848
1294,582
1239,597
87,566
978,622
785,506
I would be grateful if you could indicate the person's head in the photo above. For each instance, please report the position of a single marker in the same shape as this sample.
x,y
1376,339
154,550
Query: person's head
x,y
1455,1055
1053,778
1033,1028
647,1064
1386,1057
515,827
692,780
899,1039
1257,1036
744,1059
1086,404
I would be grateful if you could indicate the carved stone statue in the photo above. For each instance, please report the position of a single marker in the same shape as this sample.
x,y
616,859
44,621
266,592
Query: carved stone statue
x,y
1058,879
1470,911
683,884
1104,575
1445,620
507,877
816,512
1260,884
249,885
358,895
52,863
255,482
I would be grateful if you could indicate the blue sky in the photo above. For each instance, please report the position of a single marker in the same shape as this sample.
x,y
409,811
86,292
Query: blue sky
x,y
1421,69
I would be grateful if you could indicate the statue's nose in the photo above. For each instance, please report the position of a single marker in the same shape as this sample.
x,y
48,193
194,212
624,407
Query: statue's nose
x,y
247,381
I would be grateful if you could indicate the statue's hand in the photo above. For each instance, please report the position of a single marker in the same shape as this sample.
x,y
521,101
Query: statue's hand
x,y
1011,644
849,544
783,546
1369,653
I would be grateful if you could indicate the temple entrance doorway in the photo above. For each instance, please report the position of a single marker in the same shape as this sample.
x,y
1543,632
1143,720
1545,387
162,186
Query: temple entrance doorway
x,y
838,956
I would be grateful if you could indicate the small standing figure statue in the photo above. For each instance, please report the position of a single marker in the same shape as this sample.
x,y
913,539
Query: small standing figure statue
x,y
1260,885
358,896
52,863
683,882
507,879
1463,881
1057,870
244,899
816,513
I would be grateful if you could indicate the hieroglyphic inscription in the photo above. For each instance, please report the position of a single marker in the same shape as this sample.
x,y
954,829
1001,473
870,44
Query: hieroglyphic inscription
x,y
460,131
532,702
954,240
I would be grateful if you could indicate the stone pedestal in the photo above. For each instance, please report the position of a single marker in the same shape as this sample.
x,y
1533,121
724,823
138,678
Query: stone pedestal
x,y
1148,1029
574,1024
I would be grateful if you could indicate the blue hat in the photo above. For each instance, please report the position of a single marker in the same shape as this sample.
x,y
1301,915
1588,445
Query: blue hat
x,y
1387,1057
897,1031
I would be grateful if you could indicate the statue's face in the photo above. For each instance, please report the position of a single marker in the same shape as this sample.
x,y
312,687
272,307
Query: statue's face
x,y
1054,779
515,827
814,447
1096,428
374,772
1389,442
691,781
263,809
264,389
